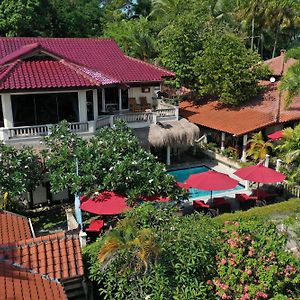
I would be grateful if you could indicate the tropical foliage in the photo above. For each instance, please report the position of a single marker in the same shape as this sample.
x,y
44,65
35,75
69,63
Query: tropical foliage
x,y
232,83
112,160
258,147
291,80
20,171
154,254
289,152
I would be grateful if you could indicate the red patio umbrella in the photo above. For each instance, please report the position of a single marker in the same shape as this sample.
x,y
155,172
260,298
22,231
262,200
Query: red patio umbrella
x,y
105,203
259,173
211,181
182,185
277,135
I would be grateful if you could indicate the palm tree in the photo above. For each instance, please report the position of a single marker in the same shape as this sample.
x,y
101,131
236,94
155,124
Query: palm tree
x,y
258,147
289,151
291,80
140,244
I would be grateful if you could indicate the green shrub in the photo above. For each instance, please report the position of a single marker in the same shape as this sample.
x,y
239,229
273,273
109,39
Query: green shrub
x,y
286,207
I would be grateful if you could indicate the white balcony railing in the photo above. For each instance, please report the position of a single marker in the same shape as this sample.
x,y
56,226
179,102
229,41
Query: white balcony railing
x,y
164,111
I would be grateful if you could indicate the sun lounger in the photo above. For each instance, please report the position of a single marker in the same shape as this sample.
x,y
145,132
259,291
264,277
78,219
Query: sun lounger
x,y
221,204
264,195
246,201
201,206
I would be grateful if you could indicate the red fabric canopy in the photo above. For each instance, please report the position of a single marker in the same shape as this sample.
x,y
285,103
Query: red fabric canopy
x,y
277,135
95,226
106,203
259,173
211,181
182,185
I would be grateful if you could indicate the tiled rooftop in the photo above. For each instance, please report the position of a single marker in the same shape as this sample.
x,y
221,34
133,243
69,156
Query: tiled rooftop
x,y
97,58
19,284
57,255
278,66
13,228
254,115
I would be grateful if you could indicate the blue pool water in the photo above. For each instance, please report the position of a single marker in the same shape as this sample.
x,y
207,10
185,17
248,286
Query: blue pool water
x,y
182,174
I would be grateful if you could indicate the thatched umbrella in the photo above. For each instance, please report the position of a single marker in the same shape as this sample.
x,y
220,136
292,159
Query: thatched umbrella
x,y
173,134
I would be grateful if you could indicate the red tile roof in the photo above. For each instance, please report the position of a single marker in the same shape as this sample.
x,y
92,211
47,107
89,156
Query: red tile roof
x,y
49,74
13,227
57,256
256,114
98,58
19,284
278,66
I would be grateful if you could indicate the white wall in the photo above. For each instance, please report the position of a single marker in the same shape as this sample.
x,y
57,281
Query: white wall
x,y
136,92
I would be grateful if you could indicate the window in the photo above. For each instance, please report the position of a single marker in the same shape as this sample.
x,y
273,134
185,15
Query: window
x,y
37,109
124,96
145,89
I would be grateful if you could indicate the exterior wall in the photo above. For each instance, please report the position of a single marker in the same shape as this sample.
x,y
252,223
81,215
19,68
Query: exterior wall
x,y
273,128
136,92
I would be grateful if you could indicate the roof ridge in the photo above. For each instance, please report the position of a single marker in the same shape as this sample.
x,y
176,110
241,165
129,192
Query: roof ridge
x,y
75,68
9,69
152,65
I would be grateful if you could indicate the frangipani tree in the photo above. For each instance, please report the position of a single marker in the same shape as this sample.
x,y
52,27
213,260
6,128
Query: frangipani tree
x,y
112,160
20,171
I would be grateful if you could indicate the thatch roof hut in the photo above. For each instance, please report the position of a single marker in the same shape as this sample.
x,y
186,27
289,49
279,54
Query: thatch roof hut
x,y
173,134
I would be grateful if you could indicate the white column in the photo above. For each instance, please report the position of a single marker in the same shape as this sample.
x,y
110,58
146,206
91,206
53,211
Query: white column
x,y
103,100
95,104
278,164
168,155
244,155
223,141
120,99
267,160
82,106
7,111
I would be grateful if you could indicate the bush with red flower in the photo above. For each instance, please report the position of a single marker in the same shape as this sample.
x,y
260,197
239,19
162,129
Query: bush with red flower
x,y
252,264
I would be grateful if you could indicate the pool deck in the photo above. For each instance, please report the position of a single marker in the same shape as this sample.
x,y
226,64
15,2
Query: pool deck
x,y
220,168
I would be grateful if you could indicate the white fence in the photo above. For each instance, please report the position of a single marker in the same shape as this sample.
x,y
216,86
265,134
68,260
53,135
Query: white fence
x,y
164,111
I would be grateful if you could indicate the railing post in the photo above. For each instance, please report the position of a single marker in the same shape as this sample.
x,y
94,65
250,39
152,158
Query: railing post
x,y
49,127
278,164
154,118
267,160
4,135
92,126
111,121
176,113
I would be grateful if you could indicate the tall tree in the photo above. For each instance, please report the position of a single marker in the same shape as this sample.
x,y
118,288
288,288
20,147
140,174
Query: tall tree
x,y
226,68
291,80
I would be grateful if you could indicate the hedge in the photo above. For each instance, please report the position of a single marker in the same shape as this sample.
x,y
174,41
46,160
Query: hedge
x,y
286,207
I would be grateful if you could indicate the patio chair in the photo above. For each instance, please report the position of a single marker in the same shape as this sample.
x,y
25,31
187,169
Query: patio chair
x,y
94,229
201,206
144,104
246,201
221,204
264,195
133,106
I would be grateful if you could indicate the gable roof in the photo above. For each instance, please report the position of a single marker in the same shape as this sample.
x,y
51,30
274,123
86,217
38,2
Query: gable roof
x,y
13,227
57,256
98,58
18,284
278,66
264,110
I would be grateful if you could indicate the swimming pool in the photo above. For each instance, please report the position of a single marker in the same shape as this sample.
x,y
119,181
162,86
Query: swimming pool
x,y
182,174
